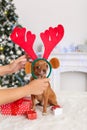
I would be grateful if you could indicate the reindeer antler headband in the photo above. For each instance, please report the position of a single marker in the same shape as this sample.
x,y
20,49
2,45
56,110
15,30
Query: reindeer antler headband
x,y
25,40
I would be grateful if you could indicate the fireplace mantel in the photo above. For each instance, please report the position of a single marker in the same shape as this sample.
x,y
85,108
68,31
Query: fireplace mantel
x,y
69,62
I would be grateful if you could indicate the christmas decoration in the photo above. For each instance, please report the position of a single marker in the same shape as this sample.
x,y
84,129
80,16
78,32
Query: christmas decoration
x,y
31,115
1,48
55,63
19,107
8,50
50,38
57,110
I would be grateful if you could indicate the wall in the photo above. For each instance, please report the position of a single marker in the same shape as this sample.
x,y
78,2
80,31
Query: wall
x,y
41,14
73,81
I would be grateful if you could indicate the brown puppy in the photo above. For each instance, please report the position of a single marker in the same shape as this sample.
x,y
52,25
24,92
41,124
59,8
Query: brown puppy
x,y
48,97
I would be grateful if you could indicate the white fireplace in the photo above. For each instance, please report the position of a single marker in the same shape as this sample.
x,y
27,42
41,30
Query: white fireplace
x,y
72,73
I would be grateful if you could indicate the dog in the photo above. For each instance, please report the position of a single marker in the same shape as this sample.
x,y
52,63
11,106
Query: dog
x,y
48,97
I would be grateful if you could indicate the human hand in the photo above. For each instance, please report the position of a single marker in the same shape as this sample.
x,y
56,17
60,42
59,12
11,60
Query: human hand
x,y
18,64
37,86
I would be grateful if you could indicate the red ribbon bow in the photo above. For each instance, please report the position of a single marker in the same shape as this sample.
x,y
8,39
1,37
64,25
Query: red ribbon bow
x,y
54,107
15,105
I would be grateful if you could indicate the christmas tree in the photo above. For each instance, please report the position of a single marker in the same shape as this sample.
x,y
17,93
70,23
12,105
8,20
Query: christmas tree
x,y
8,50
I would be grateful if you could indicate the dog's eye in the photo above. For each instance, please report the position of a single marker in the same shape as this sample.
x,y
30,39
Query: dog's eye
x,y
46,66
37,67
44,71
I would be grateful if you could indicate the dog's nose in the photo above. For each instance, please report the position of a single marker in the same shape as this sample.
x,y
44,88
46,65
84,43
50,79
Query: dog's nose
x,y
41,72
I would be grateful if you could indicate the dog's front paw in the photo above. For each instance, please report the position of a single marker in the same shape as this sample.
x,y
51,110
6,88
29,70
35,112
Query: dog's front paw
x,y
44,113
33,108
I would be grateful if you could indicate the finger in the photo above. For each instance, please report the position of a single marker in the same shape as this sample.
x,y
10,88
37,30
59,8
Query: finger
x,y
46,80
45,85
41,91
23,65
23,62
21,59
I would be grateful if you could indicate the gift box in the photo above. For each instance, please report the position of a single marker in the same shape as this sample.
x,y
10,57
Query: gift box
x,y
57,110
18,107
31,115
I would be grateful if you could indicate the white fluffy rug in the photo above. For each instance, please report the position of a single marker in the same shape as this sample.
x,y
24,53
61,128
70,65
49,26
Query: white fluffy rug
x,y
74,116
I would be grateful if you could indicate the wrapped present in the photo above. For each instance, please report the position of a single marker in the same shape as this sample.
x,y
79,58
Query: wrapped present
x,y
31,115
5,109
18,107
57,110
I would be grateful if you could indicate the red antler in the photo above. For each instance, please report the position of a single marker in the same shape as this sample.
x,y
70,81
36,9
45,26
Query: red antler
x,y
51,38
18,37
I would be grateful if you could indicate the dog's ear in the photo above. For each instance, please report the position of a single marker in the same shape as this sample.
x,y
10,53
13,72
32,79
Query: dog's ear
x,y
55,63
28,67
